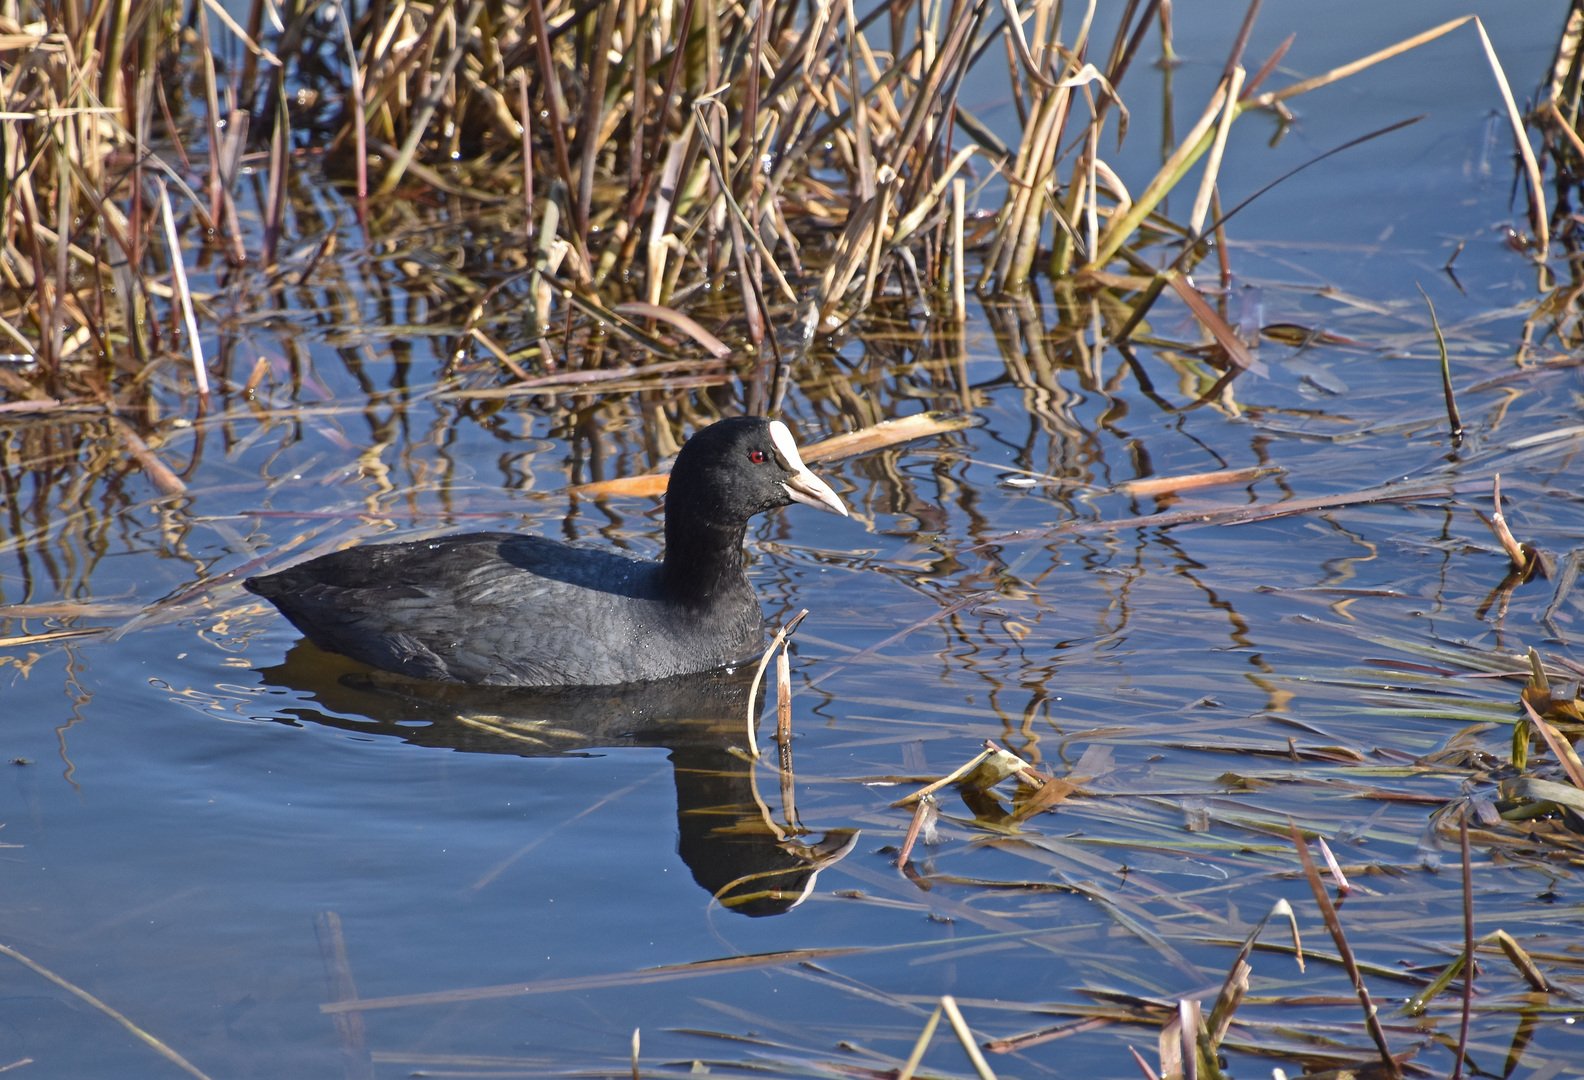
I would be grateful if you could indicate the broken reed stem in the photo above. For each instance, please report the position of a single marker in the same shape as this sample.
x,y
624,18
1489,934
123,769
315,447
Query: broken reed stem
x,y
923,819
783,699
1345,951
1515,552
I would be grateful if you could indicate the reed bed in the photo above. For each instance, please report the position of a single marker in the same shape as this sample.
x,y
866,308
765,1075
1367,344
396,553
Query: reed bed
x,y
679,171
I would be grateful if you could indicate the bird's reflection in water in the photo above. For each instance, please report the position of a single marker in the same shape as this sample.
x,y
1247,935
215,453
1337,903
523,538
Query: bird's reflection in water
x,y
726,835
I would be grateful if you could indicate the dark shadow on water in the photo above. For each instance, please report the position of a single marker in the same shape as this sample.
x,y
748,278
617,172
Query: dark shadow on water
x,y
736,852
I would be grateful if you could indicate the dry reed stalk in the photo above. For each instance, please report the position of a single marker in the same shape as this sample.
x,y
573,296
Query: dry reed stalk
x,y
922,823
1207,183
1017,228
184,294
1539,218
1157,486
598,96
143,1036
1498,523
1345,951
783,700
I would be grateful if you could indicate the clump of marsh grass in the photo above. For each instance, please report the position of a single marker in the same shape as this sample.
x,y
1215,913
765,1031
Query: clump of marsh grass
x,y
665,158
93,152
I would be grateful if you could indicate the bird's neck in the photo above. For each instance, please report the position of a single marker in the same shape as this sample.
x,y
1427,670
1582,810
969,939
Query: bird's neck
x,y
703,564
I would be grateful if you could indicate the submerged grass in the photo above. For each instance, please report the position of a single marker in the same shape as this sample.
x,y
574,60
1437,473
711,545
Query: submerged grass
x,y
1227,995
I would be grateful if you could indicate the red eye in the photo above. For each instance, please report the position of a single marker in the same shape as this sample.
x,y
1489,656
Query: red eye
x,y
758,457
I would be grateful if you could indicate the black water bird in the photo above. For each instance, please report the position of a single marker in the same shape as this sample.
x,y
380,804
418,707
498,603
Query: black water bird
x,y
504,609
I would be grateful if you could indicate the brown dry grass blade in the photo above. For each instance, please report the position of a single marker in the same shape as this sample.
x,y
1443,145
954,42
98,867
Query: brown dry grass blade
x,y
960,772
1337,74
1236,352
159,475
685,323
1520,959
598,378
1525,152
1539,220
1053,790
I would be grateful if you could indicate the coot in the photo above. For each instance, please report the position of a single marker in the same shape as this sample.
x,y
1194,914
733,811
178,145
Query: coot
x,y
503,609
